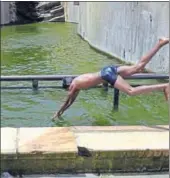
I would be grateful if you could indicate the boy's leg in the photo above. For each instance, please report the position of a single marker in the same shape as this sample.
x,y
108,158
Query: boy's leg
x,y
130,70
166,92
123,86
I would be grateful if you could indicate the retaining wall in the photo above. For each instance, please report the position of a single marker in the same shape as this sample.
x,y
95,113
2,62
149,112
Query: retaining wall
x,y
71,11
85,149
8,12
126,30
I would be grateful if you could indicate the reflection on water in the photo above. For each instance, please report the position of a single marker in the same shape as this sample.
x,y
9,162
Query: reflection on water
x,y
55,48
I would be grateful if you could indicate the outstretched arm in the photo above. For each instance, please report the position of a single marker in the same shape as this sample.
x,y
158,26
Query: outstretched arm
x,y
72,99
69,101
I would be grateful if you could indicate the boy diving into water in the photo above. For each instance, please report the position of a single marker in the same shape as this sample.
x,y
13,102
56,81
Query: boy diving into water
x,y
114,76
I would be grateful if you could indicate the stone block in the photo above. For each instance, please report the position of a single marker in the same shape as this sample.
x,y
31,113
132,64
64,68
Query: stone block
x,y
157,128
116,143
8,148
8,141
46,143
112,149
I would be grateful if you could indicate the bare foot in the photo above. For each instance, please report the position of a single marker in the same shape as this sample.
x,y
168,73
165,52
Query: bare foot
x,y
166,92
163,41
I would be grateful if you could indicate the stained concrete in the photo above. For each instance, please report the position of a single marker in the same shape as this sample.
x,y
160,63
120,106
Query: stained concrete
x,y
85,149
8,12
126,30
46,140
71,12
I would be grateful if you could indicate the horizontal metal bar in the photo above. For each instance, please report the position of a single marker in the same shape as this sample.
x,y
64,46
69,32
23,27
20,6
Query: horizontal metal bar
x,y
60,77
22,87
28,87
34,77
148,76
55,87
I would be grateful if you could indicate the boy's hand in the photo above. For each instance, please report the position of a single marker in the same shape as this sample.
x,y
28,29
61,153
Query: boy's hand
x,y
56,115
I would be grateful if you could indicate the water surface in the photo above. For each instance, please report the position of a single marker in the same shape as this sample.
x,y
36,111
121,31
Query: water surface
x,y
55,48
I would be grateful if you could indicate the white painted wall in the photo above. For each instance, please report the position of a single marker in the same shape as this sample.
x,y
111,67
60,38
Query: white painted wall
x,y
126,30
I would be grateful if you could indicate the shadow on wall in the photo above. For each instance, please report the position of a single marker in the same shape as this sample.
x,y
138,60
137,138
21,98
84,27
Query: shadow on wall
x,y
26,12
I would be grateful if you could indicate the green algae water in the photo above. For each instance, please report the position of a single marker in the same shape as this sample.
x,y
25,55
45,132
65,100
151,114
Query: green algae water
x,y
55,48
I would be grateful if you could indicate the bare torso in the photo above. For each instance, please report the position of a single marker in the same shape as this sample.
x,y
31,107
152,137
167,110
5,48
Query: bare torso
x,y
86,81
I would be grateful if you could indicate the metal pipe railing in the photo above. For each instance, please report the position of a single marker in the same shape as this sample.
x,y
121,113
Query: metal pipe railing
x,y
60,77
36,78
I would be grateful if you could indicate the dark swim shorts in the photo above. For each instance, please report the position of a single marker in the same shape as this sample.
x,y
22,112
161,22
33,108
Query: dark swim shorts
x,y
109,74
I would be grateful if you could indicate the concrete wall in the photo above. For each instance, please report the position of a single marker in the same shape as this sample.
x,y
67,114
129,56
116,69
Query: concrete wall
x,y
71,12
126,30
49,150
5,16
7,12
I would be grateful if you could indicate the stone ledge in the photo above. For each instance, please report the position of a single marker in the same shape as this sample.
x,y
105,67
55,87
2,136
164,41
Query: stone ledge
x,y
157,128
8,141
64,150
49,143
122,141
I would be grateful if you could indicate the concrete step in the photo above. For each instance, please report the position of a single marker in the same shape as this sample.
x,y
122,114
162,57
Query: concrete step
x,y
57,12
120,149
47,5
49,10
56,7
46,16
58,19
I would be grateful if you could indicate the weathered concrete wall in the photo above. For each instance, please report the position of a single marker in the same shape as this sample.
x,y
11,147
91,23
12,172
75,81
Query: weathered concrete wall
x,y
7,12
85,149
71,12
126,30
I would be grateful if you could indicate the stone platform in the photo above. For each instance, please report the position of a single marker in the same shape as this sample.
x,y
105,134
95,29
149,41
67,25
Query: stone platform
x,y
113,149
